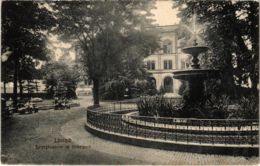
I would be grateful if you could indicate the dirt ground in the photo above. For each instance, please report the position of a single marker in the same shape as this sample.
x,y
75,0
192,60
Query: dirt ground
x,y
24,134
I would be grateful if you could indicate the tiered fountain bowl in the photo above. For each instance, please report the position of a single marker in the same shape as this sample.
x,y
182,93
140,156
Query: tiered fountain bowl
x,y
195,75
191,74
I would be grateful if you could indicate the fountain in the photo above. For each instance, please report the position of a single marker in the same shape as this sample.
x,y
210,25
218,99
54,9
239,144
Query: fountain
x,y
195,76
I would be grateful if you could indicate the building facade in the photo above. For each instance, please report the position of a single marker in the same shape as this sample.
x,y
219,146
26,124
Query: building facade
x,y
167,59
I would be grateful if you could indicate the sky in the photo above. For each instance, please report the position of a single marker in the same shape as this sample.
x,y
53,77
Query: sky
x,y
163,15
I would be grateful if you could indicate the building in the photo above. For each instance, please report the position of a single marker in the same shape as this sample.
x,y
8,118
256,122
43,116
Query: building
x,y
167,59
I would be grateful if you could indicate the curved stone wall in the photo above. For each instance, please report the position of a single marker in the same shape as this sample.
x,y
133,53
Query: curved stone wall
x,y
116,120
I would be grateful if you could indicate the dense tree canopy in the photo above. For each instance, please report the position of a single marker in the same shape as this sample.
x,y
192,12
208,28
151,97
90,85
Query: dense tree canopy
x,y
57,74
103,30
231,31
23,27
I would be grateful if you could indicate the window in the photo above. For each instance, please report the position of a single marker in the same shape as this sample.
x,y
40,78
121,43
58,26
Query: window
x,y
167,47
167,64
150,65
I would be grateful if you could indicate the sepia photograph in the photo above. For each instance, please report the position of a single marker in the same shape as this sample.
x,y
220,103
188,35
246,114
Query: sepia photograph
x,y
130,82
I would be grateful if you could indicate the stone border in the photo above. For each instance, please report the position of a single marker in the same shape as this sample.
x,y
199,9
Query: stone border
x,y
127,118
238,150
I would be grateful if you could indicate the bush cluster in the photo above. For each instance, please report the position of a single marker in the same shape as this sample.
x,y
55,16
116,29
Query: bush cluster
x,y
158,106
118,90
215,108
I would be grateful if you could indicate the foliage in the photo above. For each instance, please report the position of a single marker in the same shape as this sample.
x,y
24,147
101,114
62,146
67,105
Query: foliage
x,y
102,30
143,87
249,108
6,73
216,107
23,24
158,106
27,71
162,90
222,107
60,77
124,87
30,87
114,89
230,28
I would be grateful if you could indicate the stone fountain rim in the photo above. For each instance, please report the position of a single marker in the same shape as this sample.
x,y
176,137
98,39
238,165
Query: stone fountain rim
x,y
198,46
187,70
191,73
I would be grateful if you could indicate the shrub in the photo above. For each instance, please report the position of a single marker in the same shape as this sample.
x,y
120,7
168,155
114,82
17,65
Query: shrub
x,y
162,91
245,107
248,108
216,107
113,90
116,89
158,106
146,107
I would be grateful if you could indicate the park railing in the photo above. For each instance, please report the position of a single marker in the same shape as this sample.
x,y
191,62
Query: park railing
x,y
115,118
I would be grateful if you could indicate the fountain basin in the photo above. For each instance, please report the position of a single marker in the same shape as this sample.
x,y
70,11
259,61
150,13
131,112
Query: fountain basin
x,y
195,50
192,74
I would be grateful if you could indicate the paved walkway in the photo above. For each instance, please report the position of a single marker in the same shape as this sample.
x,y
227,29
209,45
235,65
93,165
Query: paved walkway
x,y
75,130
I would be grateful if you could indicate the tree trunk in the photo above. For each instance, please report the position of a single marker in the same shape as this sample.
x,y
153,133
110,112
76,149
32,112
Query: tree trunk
x,y
96,92
36,87
16,67
253,7
28,89
20,86
4,88
228,79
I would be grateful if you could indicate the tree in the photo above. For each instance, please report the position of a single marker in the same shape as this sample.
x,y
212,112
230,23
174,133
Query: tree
x,y
231,30
101,29
23,24
28,72
61,79
7,69
30,88
130,67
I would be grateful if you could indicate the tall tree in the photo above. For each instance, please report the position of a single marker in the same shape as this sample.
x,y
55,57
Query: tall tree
x,y
23,24
130,66
231,30
6,76
101,29
59,76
